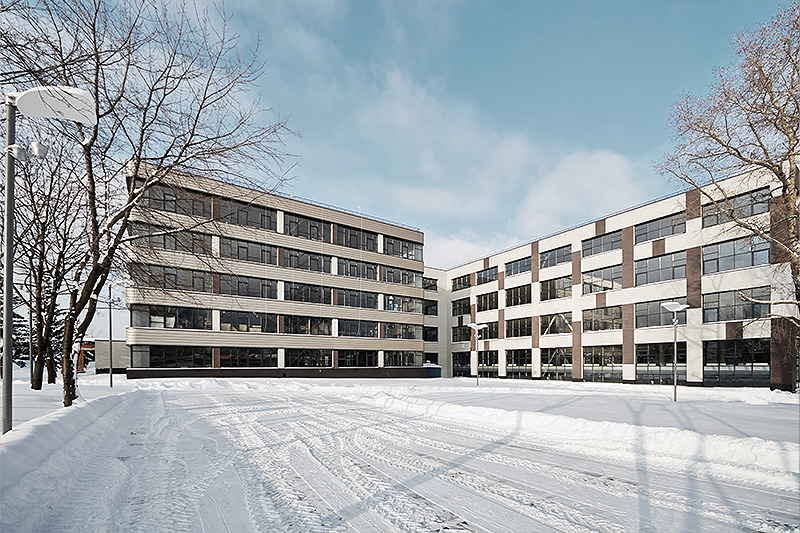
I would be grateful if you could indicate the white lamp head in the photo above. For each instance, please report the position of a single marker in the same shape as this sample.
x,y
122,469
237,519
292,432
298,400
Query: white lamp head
x,y
674,307
18,152
477,327
38,150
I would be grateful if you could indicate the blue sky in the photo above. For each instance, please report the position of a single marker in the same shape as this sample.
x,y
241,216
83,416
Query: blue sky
x,y
485,124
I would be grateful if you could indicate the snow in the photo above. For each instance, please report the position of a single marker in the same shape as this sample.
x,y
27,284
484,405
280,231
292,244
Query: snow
x,y
399,455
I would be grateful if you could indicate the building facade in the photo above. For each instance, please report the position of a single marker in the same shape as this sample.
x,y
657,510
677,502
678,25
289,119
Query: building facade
x,y
260,280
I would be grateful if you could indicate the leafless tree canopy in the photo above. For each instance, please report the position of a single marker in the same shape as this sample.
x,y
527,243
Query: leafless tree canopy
x,y
172,93
749,121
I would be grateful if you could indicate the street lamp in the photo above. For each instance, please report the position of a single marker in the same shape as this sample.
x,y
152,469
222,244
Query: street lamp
x,y
66,103
111,335
477,329
674,308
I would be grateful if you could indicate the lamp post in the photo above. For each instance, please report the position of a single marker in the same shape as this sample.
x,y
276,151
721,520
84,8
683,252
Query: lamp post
x,y
66,103
477,329
111,335
674,308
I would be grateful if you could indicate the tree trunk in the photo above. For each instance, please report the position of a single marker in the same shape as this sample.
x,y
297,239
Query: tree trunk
x,y
38,371
51,365
67,372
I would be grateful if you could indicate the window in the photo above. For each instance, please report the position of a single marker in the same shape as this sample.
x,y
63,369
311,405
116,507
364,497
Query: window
x,y
661,268
556,323
650,314
163,277
518,327
430,308
602,279
556,288
300,292
518,295
398,358
247,321
402,276
179,356
356,269
404,304
306,260
461,307
357,328
306,325
248,357
357,358
432,357
461,282
461,333
461,364
402,331
486,302
602,363
170,239
518,267
518,363
307,357
353,298
162,316
661,227
243,214
487,363
247,286
733,305
557,363
175,200
741,206
357,238
603,243
430,284
654,363
602,319
400,248
556,256
492,331
430,334
741,362
486,275
306,228
248,251
731,255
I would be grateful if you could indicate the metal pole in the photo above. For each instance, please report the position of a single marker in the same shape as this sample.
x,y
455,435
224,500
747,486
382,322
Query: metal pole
x,y
675,356
8,267
477,358
110,343
30,332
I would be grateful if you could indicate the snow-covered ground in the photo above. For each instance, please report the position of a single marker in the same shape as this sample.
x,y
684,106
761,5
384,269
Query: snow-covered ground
x,y
399,455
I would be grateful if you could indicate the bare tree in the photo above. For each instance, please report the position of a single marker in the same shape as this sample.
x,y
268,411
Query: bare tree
x,y
172,94
750,123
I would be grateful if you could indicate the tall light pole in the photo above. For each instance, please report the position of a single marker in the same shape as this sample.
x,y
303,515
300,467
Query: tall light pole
x,y
477,329
674,308
111,335
66,103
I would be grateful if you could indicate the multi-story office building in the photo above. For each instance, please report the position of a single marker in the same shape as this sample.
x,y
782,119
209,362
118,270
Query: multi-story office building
x,y
298,288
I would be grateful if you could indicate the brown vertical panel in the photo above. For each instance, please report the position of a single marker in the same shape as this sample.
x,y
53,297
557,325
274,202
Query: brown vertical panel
x,y
600,299
576,268
694,271
501,324
335,358
216,359
215,282
461,320
577,352
334,296
215,207
627,257
534,262
783,355
535,332
485,263
659,247
473,309
282,324
628,323
501,277
280,256
734,330
693,207
599,227
779,230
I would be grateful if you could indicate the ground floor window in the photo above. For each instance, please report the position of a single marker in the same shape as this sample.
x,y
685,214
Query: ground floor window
x,y
740,362
602,363
557,363
654,363
432,358
518,363
398,358
487,364
179,356
248,357
300,358
357,358
461,364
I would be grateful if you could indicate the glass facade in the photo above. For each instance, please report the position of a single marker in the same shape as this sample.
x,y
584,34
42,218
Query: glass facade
x,y
486,276
661,268
602,279
731,255
736,305
557,363
552,289
518,267
741,206
401,248
602,319
518,363
741,362
654,363
556,256
661,227
264,357
556,323
650,314
253,252
247,321
602,363
486,302
518,295
306,228
602,243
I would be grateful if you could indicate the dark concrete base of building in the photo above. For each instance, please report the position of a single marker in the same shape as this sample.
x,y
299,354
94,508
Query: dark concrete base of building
x,y
261,372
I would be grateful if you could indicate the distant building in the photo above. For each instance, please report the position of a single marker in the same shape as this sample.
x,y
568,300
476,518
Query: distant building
x,y
290,285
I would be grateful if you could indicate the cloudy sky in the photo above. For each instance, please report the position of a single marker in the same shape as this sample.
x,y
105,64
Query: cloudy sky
x,y
485,123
